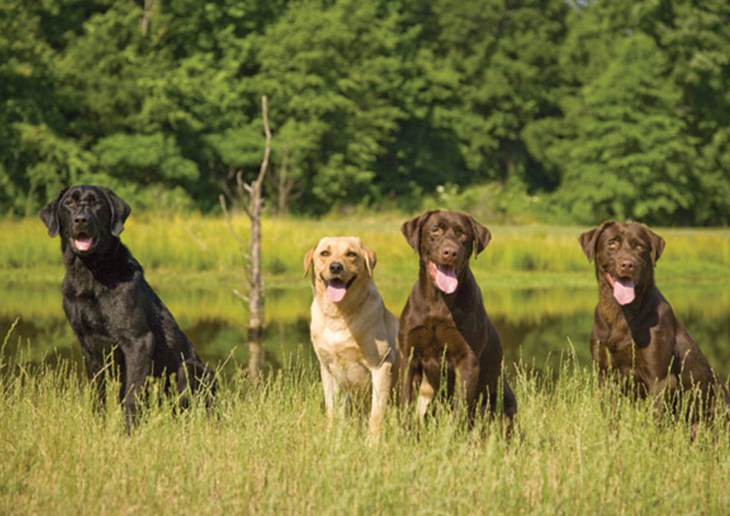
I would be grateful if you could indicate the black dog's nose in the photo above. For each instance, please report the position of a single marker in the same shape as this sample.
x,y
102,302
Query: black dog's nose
x,y
80,218
336,268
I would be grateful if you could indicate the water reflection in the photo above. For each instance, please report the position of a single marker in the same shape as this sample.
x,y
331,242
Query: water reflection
x,y
536,325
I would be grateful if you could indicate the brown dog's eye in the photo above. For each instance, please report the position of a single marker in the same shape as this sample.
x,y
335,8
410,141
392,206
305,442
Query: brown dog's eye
x,y
612,245
639,247
436,230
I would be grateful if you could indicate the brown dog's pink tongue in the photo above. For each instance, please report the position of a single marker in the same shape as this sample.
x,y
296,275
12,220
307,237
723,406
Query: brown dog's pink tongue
x,y
445,279
336,293
623,291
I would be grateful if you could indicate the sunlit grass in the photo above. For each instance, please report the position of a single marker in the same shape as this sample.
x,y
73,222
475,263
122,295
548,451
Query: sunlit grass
x,y
578,449
196,243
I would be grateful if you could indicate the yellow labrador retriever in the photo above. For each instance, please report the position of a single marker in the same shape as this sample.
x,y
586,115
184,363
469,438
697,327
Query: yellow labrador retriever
x,y
353,334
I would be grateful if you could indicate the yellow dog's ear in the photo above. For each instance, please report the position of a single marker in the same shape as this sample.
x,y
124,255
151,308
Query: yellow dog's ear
x,y
370,259
308,260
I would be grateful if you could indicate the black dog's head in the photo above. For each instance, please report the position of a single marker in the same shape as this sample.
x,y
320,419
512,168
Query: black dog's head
x,y
88,218
625,256
445,240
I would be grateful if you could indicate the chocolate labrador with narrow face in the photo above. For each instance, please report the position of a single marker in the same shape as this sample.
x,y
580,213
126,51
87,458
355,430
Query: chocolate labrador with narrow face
x,y
444,328
111,308
635,332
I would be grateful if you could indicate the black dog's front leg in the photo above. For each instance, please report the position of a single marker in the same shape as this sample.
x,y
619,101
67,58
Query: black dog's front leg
x,y
137,366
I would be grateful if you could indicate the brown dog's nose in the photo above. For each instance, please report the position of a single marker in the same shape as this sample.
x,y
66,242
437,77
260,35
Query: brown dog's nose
x,y
448,253
626,266
336,268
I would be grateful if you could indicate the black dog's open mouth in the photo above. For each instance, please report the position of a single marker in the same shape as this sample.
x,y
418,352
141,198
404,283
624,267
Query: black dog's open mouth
x,y
337,288
83,242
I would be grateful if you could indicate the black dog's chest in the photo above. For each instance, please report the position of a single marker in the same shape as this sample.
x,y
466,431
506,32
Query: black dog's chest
x,y
88,304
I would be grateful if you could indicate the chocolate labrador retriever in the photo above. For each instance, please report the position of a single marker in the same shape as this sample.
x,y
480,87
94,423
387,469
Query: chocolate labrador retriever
x,y
635,332
444,329
112,309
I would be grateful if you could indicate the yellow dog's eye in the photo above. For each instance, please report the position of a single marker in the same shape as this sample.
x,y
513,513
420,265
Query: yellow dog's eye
x,y
351,254
325,253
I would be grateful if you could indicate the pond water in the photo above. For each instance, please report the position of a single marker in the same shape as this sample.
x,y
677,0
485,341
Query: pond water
x,y
536,326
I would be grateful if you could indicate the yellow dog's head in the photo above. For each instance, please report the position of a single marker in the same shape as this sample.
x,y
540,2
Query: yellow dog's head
x,y
339,264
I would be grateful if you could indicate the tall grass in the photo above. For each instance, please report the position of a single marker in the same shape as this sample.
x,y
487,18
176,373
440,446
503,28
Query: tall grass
x,y
578,449
196,243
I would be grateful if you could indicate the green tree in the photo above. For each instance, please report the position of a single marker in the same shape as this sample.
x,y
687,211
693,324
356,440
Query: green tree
x,y
632,157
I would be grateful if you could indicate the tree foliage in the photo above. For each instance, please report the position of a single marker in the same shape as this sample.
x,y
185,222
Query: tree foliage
x,y
604,108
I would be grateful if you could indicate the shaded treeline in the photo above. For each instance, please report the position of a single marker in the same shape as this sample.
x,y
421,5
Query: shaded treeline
x,y
576,110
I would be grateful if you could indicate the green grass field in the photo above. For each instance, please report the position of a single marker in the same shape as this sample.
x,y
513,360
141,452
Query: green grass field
x,y
579,449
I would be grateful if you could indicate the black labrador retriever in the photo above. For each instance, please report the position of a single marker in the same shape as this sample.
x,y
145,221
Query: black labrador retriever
x,y
112,309
444,328
635,332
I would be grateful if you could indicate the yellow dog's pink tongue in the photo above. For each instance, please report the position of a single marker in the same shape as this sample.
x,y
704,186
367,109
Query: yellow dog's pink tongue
x,y
336,293
623,291
444,278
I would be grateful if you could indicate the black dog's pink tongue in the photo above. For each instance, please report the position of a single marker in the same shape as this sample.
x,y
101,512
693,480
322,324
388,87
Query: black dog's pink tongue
x,y
83,243
444,278
623,291
336,293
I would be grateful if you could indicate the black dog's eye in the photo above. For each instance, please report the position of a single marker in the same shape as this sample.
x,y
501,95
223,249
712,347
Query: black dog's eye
x,y
70,203
325,253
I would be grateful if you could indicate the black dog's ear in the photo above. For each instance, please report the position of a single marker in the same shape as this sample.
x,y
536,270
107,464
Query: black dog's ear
x,y
120,212
411,229
657,244
49,214
482,236
589,239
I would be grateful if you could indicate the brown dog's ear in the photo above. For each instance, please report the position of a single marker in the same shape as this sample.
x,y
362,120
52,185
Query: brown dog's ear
x,y
657,244
370,259
589,239
482,236
120,211
49,214
308,259
411,229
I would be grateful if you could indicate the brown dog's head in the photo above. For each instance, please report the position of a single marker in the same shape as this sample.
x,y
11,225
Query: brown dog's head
x,y
445,241
88,218
339,265
625,255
